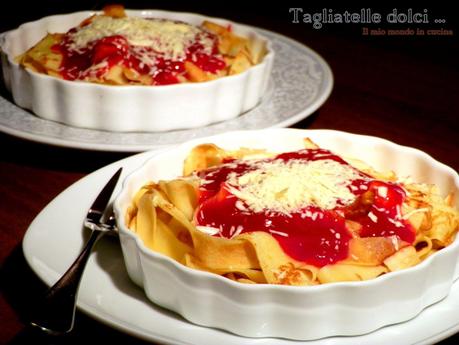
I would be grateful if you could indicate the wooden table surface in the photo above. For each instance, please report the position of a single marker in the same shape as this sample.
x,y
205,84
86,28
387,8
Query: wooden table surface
x,y
401,88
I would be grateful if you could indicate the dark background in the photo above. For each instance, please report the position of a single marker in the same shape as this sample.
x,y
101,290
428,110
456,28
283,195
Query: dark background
x,y
404,89
420,71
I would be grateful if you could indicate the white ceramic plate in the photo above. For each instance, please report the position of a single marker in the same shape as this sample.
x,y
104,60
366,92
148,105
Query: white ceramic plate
x,y
345,308
300,83
56,236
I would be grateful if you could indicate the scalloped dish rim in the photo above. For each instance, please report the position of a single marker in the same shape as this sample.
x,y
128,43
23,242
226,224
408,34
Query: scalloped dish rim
x,y
298,291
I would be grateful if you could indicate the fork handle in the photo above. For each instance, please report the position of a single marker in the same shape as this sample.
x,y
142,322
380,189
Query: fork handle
x,y
55,314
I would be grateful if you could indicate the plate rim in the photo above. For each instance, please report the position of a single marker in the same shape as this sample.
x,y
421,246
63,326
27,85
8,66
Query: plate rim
x,y
323,93
133,162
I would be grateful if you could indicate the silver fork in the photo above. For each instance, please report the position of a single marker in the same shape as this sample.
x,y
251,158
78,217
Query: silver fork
x,y
55,314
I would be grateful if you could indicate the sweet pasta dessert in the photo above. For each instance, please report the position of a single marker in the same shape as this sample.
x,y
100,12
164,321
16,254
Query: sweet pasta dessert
x,y
113,48
306,217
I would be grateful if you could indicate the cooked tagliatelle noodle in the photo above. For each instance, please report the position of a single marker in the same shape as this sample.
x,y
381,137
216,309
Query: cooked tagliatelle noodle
x,y
297,218
113,48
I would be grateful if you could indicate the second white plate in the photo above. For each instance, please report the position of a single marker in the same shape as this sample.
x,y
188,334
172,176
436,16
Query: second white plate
x,y
301,81
106,293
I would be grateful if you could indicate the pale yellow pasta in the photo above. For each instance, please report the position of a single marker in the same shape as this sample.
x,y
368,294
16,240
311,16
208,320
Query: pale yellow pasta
x,y
423,245
362,166
433,216
371,251
404,258
278,268
41,58
182,194
347,272
248,274
236,53
221,253
163,213
156,234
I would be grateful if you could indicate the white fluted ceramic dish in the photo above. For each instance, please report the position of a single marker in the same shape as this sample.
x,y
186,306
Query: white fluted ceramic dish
x,y
292,95
303,313
131,108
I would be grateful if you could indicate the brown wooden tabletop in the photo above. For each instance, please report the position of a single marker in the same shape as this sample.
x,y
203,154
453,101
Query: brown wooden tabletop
x,y
402,88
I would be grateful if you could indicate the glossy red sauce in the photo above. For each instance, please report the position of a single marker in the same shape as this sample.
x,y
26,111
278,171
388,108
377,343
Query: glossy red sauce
x,y
312,235
115,50
384,215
